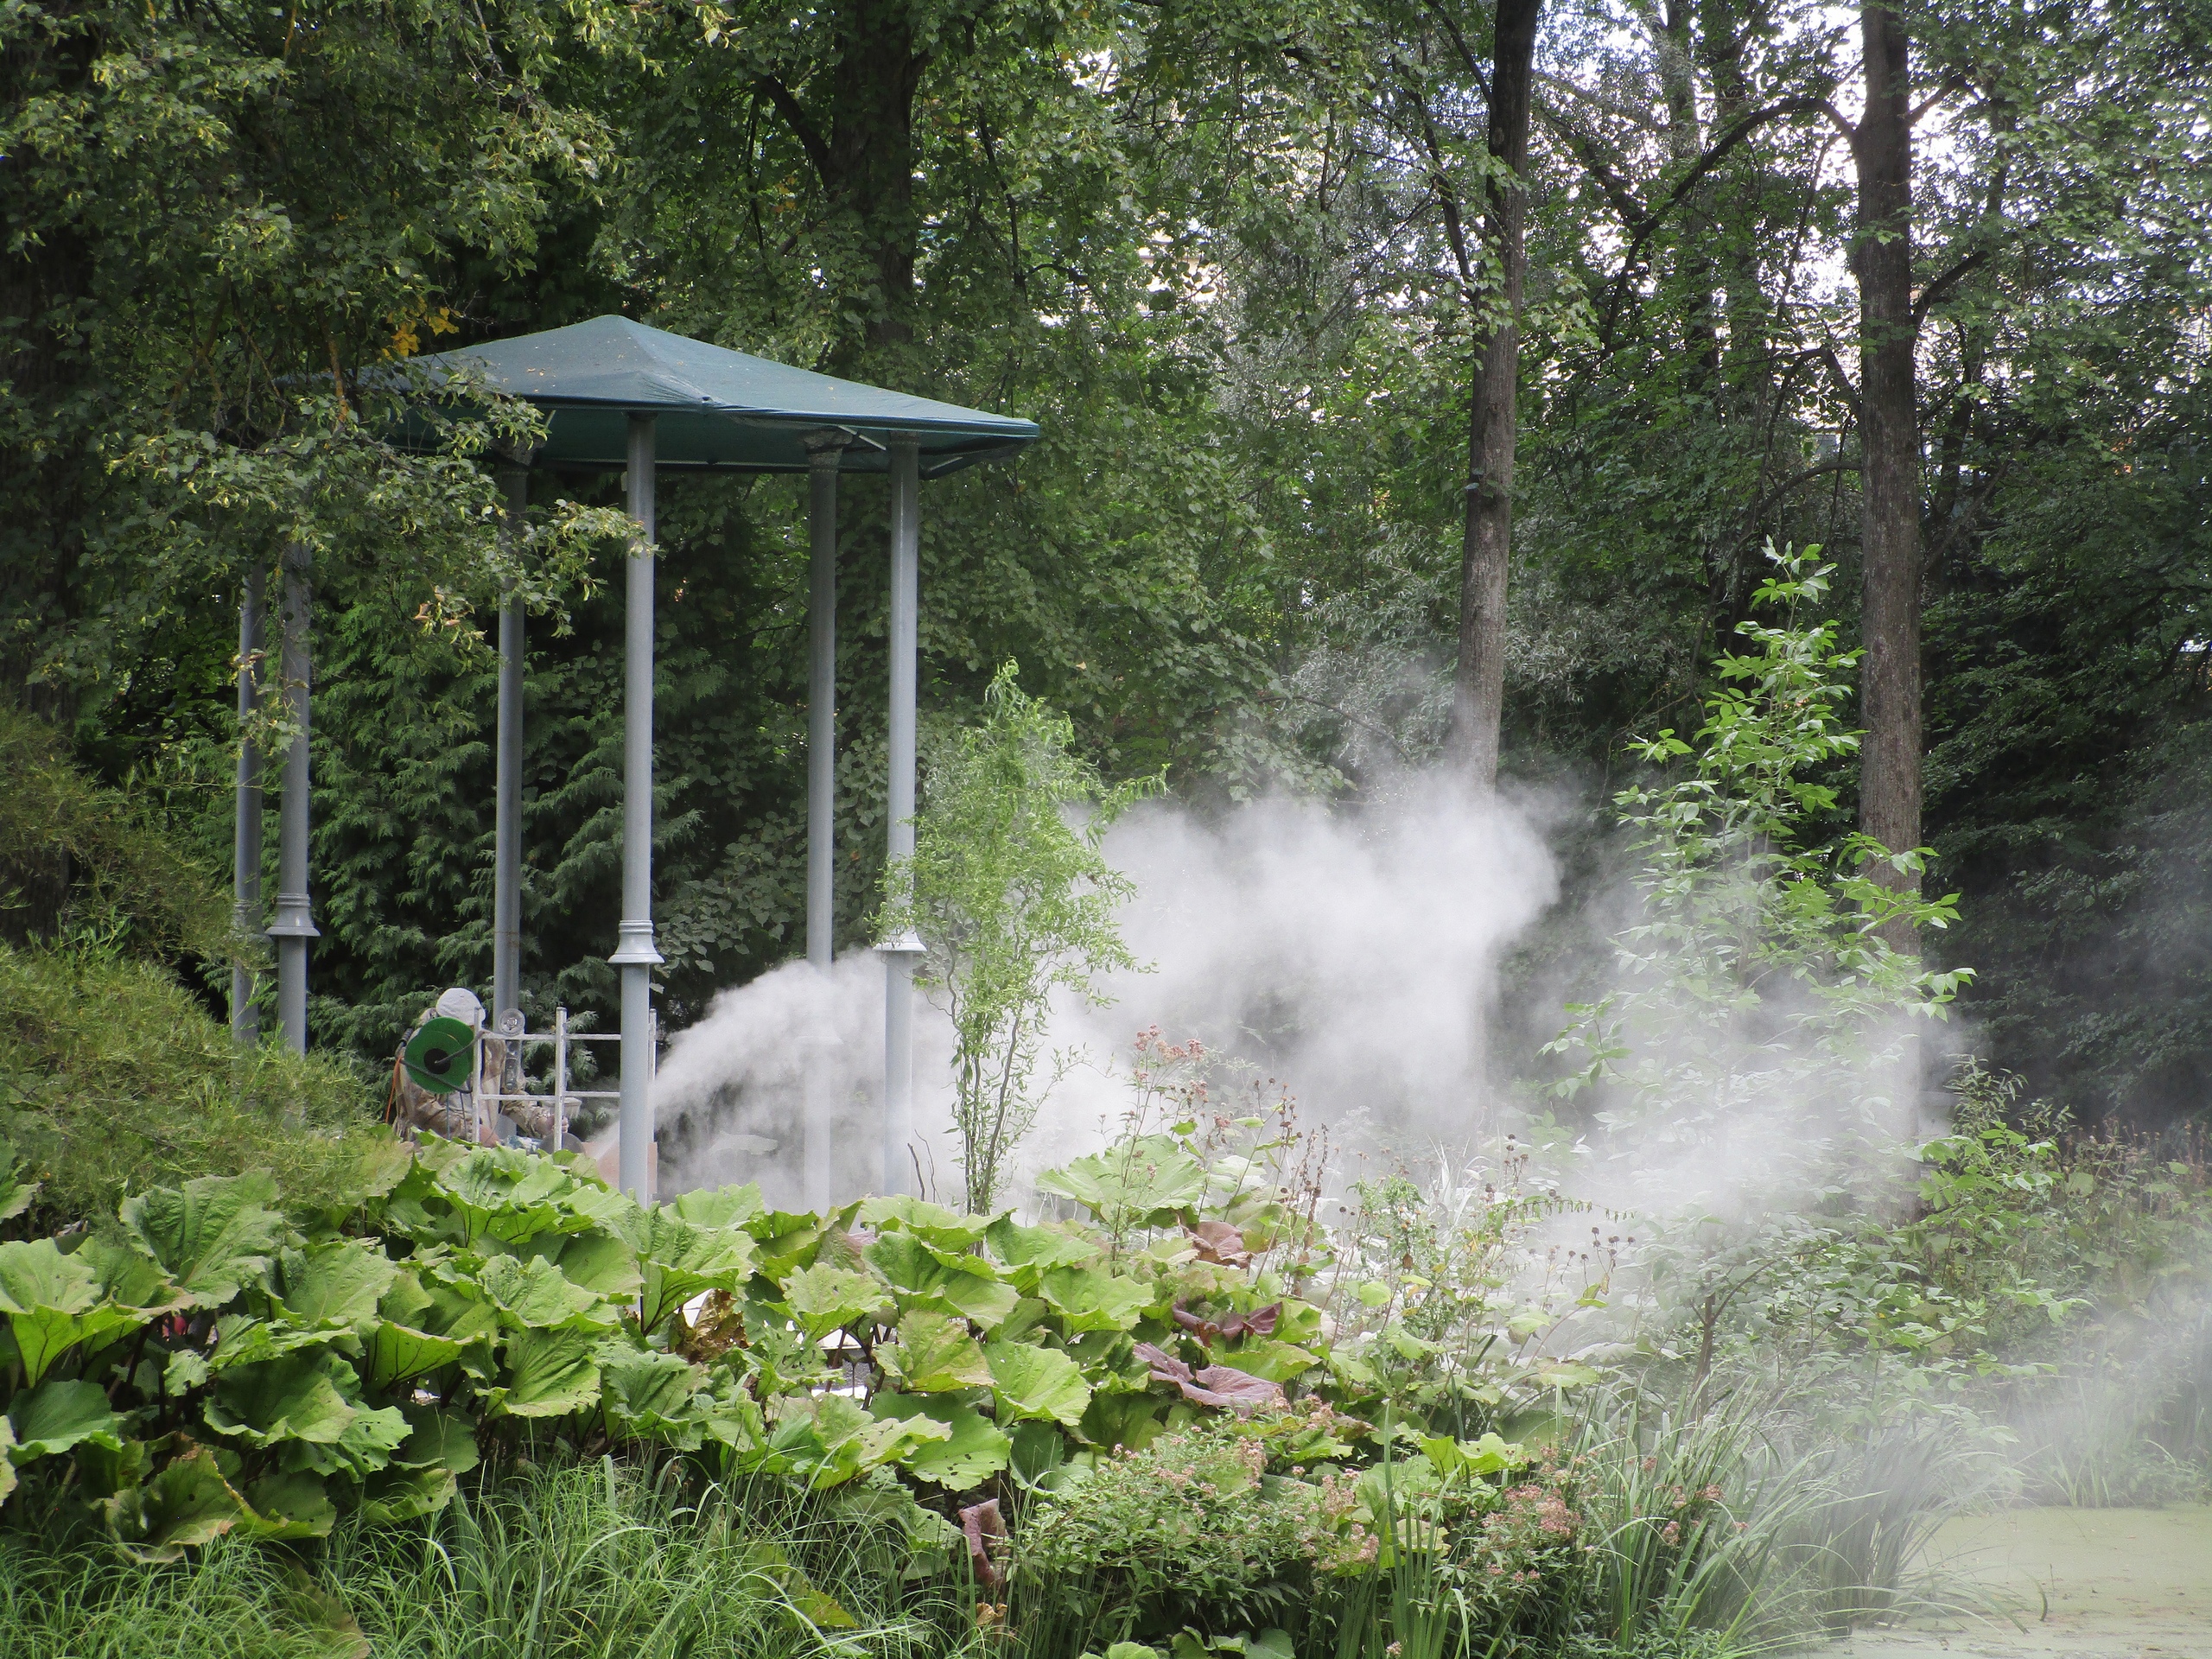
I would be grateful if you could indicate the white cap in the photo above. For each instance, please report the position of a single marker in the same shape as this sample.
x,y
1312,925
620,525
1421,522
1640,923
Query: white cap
x,y
460,1003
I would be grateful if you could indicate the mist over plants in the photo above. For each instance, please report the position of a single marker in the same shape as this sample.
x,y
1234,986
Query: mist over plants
x,y
1559,886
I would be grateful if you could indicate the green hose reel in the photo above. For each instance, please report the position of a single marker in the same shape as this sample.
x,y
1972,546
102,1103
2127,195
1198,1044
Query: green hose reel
x,y
441,1057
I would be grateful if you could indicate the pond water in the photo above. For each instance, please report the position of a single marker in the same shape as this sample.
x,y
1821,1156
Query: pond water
x,y
2068,1583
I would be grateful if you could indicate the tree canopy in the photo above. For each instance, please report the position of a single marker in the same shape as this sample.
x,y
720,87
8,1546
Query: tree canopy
x,y
1241,260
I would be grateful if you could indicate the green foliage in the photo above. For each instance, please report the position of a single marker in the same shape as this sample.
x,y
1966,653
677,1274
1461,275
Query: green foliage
x,y
112,1076
1762,975
1013,902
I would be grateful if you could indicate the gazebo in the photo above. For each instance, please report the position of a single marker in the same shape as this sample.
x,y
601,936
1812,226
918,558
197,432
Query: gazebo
x,y
620,395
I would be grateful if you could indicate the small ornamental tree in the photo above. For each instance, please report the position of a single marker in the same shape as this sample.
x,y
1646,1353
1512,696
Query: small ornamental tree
x,y
1759,976
1013,901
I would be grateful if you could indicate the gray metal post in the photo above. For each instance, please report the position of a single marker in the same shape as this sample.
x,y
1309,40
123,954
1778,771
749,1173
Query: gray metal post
x,y
294,923
823,452
507,831
245,834
898,954
635,954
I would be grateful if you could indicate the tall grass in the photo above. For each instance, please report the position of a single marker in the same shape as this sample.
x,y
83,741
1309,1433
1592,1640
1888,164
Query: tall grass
x,y
588,1561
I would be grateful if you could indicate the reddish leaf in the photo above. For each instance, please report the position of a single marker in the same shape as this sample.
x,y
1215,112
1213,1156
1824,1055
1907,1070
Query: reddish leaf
x,y
1241,1391
984,1527
1165,1368
1220,1244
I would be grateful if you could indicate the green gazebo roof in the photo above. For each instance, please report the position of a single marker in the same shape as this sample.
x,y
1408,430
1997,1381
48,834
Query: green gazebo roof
x,y
718,411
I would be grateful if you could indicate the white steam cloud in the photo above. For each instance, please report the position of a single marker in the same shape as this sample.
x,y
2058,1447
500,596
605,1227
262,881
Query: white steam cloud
x,y
1352,954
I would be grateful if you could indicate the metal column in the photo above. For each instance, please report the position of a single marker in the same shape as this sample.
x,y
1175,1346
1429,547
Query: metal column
x,y
635,954
506,832
294,923
899,954
824,451
245,833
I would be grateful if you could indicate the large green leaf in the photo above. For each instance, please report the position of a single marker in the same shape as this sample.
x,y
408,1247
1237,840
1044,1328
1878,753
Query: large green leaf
x,y
547,1373
297,1398
651,1394
1027,1381
946,1228
1146,1181
211,1237
7,1460
826,1439
187,1503
680,1261
395,1494
975,1448
537,1295
601,1262
1026,1252
336,1282
57,1416
1091,1299
288,1506
510,1196
721,1206
369,1441
823,1299
244,1339
934,1355
945,1280
54,1302
420,1479
17,1189
398,1353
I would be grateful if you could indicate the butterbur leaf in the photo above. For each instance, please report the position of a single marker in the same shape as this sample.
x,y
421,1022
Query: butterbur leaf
x,y
537,1295
725,1206
935,1355
601,1263
395,1494
827,1440
679,1261
7,1460
242,1339
1041,1382
1091,1299
398,1353
288,1506
1489,1455
16,1191
783,1240
1275,1361
547,1373
129,1278
212,1236
939,1226
1026,1252
189,1503
54,1302
296,1398
649,1393
1146,1181
366,1444
336,1282
1567,1373
56,1415
823,1299
510,1196
974,1448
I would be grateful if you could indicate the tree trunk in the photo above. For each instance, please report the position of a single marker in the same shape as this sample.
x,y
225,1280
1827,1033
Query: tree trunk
x,y
1479,691
1889,772
870,177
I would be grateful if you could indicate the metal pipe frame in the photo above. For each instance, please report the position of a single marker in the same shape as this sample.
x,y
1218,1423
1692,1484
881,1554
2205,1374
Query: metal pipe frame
x,y
245,834
635,954
899,954
824,451
507,832
294,925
